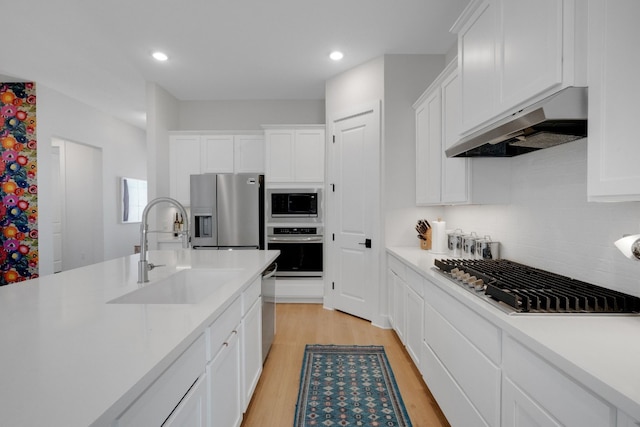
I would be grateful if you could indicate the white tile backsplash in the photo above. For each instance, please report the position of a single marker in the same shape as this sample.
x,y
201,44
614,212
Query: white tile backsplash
x,y
549,223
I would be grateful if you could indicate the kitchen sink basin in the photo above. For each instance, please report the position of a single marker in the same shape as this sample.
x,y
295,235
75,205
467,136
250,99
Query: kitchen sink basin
x,y
184,287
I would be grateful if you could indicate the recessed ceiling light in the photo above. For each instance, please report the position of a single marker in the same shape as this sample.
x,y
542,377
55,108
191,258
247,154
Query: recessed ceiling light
x,y
160,56
336,55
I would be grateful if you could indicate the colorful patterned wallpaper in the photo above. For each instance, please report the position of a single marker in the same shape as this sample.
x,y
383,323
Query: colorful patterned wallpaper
x,y
18,185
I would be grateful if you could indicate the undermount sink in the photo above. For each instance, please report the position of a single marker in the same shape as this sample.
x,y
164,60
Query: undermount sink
x,y
184,287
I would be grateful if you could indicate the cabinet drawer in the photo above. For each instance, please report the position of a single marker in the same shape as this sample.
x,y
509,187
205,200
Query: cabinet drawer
x,y
395,265
220,330
552,390
154,406
475,374
453,402
482,333
251,294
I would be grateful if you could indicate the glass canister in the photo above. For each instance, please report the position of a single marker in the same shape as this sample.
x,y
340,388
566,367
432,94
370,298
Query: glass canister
x,y
469,245
487,248
455,243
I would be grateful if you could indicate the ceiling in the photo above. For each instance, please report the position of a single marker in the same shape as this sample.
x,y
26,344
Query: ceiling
x,y
99,52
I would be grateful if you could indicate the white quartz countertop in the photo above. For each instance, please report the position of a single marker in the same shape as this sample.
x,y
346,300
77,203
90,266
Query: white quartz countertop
x,y
602,352
68,358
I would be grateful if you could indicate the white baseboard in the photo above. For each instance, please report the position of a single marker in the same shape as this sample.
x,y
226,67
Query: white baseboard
x,y
299,290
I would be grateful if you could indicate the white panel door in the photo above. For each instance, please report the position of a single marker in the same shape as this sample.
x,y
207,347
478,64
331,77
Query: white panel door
x,y
355,206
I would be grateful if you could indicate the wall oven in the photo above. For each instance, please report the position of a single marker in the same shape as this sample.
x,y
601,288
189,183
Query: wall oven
x,y
294,205
300,250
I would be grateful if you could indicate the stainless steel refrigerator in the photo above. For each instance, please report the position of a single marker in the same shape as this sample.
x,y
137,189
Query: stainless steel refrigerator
x,y
227,211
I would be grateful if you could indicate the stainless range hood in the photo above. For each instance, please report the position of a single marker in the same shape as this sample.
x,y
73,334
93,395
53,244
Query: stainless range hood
x,y
555,120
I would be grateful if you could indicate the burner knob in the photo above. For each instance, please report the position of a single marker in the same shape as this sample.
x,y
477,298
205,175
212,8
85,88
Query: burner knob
x,y
478,285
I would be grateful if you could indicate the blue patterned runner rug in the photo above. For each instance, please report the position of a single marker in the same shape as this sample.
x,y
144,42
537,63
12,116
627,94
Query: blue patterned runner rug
x,y
345,385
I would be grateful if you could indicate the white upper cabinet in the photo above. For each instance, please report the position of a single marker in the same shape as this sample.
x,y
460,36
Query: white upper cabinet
x,y
614,89
513,52
295,154
455,171
429,149
530,49
217,154
192,154
279,155
446,181
184,160
477,62
249,153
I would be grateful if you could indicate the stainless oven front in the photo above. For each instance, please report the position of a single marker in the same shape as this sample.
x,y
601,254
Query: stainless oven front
x,y
300,249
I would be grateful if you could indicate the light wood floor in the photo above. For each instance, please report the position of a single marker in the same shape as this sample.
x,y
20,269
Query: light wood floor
x,y
273,403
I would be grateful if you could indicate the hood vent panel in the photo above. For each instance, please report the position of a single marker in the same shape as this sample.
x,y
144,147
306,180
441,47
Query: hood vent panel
x,y
556,120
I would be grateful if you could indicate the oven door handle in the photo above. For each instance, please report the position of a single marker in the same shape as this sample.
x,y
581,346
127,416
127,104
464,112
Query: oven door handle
x,y
295,239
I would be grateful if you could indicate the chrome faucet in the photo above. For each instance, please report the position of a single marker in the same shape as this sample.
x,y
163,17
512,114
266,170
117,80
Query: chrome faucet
x,y
143,265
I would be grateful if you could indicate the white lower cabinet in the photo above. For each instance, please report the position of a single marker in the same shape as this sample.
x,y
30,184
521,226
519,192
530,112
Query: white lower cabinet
x,y
171,393
391,297
224,384
466,360
519,410
212,382
397,287
455,405
535,393
251,341
414,307
479,374
192,411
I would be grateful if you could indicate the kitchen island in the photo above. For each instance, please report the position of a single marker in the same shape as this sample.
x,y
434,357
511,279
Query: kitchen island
x,y
486,367
71,358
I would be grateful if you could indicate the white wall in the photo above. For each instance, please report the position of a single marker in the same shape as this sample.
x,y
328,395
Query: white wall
x,y
549,223
247,115
123,149
360,85
396,81
162,116
406,77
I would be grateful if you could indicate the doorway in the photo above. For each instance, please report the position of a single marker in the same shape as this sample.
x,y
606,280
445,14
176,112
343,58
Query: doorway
x,y
354,197
78,235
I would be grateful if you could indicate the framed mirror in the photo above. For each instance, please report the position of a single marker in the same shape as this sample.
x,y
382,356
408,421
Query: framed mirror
x,y
133,199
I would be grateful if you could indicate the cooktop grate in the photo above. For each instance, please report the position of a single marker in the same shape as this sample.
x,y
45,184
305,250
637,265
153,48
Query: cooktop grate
x,y
531,290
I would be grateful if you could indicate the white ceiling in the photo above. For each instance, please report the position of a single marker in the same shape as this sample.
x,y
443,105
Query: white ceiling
x,y
98,51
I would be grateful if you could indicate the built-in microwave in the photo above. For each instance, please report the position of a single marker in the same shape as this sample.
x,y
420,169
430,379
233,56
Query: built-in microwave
x,y
294,205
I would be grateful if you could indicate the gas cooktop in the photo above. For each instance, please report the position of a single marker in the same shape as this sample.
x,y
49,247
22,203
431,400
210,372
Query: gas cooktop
x,y
517,288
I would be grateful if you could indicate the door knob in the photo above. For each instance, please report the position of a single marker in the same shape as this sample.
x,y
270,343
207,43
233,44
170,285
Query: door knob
x,y
366,243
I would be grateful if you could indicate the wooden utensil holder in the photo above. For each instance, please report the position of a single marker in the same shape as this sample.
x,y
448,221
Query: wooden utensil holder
x,y
426,244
